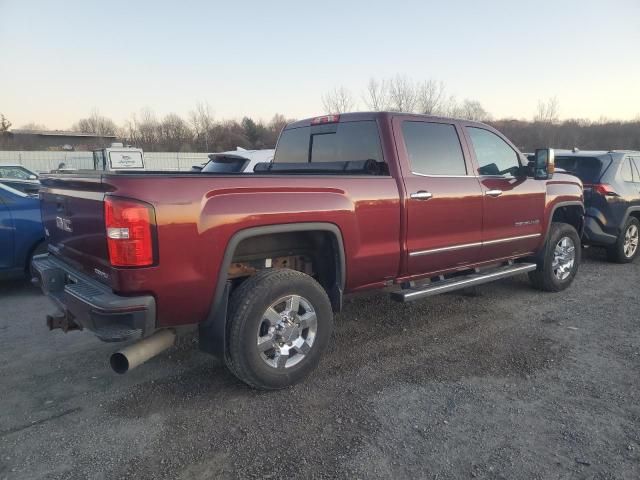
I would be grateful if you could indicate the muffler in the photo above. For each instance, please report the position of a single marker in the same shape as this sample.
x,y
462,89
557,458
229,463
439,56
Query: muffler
x,y
138,353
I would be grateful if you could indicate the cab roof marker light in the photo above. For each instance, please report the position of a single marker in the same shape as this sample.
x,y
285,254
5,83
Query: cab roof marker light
x,y
325,119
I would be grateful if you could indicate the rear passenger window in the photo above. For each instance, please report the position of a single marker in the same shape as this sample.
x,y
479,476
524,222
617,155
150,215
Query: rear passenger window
x,y
494,155
635,164
433,148
627,170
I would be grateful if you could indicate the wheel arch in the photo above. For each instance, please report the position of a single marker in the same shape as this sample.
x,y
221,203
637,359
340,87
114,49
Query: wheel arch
x,y
567,212
213,331
631,212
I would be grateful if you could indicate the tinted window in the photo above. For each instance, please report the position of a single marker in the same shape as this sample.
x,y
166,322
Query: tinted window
x,y
635,162
626,171
225,165
587,169
494,155
433,148
330,143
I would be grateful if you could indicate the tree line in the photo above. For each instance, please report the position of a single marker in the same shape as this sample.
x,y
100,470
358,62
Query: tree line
x,y
200,131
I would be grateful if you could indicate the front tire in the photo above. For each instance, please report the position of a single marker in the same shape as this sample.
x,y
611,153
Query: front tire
x,y
280,324
626,248
559,260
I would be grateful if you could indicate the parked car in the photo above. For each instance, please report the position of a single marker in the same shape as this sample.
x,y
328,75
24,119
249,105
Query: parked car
x,y
21,232
17,171
260,263
611,196
30,187
235,161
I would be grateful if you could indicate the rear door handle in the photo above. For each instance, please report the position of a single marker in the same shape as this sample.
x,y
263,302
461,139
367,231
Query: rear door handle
x,y
493,193
421,195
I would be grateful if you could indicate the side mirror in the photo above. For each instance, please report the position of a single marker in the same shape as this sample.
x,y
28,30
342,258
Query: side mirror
x,y
543,163
32,177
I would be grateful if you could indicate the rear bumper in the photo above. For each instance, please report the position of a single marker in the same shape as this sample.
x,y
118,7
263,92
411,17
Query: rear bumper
x,y
595,235
86,303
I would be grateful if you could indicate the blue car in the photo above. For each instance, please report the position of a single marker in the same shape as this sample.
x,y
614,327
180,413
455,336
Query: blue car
x,y
21,231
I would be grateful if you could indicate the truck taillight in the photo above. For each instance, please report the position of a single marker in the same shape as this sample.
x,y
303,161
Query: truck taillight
x,y
130,226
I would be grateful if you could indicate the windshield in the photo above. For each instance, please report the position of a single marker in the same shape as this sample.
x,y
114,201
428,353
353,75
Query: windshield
x,y
20,173
225,165
587,169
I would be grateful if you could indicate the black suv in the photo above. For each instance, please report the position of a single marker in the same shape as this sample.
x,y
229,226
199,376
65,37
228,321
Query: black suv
x,y
611,197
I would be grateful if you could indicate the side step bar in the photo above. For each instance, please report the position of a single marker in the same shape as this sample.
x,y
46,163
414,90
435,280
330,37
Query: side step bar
x,y
457,283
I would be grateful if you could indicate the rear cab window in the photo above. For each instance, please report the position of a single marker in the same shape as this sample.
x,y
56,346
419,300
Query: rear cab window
x,y
337,142
587,169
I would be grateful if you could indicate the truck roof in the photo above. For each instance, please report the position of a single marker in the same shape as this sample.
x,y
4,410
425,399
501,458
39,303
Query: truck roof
x,y
360,116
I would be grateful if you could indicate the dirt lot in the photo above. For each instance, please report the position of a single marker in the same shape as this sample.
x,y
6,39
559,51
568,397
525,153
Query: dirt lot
x,y
508,384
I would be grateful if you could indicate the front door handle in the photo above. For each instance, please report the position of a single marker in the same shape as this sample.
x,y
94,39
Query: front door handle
x,y
421,195
493,193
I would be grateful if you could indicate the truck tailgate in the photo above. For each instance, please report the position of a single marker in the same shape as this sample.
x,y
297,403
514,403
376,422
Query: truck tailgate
x,y
73,218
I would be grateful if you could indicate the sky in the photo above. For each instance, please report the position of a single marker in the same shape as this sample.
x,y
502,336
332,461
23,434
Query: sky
x,y
60,60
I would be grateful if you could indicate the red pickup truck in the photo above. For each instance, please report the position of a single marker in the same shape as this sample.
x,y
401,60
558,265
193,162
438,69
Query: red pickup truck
x,y
259,262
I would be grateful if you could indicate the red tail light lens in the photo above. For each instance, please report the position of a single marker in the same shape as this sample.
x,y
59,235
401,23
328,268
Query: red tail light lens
x,y
603,189
130,226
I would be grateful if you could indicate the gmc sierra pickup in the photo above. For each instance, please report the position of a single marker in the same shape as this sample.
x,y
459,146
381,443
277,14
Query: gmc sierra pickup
x,y
260,262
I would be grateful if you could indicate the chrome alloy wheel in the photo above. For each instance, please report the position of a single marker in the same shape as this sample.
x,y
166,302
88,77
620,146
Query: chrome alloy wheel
x,y
630,241
287,331
564,257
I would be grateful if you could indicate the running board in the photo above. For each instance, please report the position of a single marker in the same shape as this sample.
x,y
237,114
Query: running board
x,y
457,283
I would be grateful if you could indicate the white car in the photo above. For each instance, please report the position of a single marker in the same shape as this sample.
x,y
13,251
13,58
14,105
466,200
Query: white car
x,y
235,161
15,171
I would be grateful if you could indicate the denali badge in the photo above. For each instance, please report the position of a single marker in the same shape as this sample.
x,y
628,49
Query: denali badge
x,y
64,224
527,222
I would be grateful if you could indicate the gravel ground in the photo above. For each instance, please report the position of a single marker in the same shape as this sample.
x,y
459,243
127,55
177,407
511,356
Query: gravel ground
x,y
508,383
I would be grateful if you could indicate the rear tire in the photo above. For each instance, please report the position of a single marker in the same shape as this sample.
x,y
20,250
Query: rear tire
x,y
280,325
625,250
558,262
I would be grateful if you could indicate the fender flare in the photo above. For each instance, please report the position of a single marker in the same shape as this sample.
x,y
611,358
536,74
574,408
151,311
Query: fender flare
x,y
564,204
213,331
627,214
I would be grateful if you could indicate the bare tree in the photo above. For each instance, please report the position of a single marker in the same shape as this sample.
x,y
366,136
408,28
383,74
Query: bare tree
x,y
473,110
202,122
403,95
174,134
96,124
5,124
547,111
338,100
431,96
376,97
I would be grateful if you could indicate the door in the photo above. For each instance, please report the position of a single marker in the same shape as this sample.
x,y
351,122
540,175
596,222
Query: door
x,y
444,201
6,232
513,211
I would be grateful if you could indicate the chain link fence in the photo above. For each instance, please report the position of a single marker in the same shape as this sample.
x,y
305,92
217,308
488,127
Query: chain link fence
x,y
45,161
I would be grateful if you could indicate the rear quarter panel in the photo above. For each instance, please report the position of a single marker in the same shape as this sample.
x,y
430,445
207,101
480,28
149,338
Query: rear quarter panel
x,y
197,216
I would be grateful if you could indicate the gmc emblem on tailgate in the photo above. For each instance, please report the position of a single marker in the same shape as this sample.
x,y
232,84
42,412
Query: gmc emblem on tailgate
x,y
64,224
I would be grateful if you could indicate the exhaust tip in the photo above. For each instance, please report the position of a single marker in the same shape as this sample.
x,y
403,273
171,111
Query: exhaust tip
x,y
119,363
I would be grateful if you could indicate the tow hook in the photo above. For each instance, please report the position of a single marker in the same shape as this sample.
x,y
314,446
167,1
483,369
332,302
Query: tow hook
x,y
62,321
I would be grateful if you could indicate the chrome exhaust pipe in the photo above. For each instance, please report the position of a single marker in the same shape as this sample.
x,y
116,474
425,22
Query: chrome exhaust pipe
x,y
138,353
